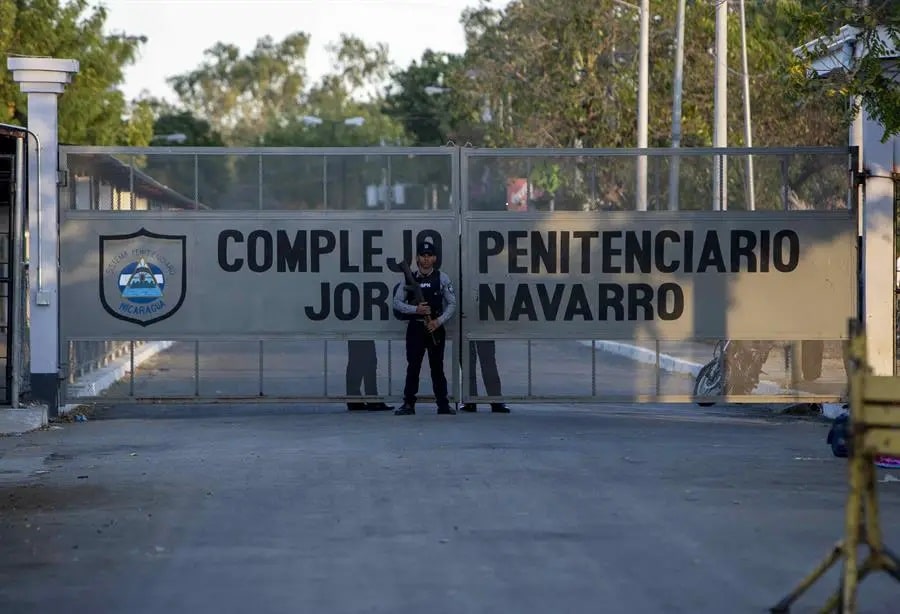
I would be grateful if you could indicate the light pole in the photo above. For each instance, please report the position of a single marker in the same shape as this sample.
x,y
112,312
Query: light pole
x,y
175,137
675,165
720,104
434,90
312,120
643,87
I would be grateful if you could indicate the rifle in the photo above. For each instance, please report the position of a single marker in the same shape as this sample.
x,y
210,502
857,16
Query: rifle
x,y
413,286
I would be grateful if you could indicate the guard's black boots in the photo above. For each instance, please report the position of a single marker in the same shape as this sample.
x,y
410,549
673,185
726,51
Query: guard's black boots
x,y
356,406
446,410
378,407
470,407
405,410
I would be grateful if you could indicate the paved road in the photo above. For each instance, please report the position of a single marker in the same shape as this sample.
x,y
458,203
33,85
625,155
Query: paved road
x,y
293,369
236,509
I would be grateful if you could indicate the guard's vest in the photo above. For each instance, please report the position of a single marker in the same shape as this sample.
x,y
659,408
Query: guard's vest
x,y
431,292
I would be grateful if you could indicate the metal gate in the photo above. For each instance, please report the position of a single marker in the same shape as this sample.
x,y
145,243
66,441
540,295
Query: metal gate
x,y
273,271
13,290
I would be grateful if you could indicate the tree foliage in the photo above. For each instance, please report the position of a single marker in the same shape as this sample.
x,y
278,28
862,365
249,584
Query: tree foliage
x,y
242,95
427,97
535,73
564,73
868,79
92,110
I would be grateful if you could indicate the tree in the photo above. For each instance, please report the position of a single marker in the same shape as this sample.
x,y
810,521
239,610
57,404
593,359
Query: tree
x,y
206,175
431,117
563,73
869,79
197,132
242,96
92,109
350,92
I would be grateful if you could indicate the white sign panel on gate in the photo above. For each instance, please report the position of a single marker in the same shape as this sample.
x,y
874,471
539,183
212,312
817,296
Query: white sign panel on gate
x,y
660,275
184,274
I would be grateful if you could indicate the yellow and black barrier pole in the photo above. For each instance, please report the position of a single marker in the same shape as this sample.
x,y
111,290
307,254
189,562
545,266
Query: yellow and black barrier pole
x,y
874,430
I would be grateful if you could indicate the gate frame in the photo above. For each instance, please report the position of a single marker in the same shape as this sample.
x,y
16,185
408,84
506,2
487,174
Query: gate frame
x,y
467,215
460,208
17,312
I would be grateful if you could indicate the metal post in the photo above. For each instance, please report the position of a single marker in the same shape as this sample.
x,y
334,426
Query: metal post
x,y
658,370
196,368
260,181
131,183
529,367
196,182
325,182
528,184
675,165
131,370
261,366
388,191
785,183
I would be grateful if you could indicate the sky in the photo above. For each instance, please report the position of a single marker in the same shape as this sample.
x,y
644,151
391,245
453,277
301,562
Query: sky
x,y
178,31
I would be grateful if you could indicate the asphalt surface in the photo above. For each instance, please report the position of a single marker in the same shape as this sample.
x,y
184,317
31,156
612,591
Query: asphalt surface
x,y
269,508
316,369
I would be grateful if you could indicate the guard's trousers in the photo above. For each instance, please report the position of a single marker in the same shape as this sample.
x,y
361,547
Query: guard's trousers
x,y
418,343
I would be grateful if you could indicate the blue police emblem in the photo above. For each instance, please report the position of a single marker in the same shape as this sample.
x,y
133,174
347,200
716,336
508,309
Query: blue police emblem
x,y
142,282
142,275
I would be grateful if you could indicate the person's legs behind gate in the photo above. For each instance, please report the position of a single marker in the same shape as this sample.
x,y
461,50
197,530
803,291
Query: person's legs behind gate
x,y
362,368
485,352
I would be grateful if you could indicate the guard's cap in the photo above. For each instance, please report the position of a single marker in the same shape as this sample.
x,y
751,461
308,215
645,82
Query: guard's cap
x,y
425,247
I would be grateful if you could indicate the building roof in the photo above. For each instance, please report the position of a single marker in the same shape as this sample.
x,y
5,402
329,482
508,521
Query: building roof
x,y
13,131
120,175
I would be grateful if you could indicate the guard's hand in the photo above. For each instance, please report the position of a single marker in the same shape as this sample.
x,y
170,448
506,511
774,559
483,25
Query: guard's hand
x,y
432,325
423,309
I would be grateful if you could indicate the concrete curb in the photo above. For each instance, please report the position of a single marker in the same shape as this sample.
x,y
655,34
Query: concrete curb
x,y
96,382
22,419
667,362
25,419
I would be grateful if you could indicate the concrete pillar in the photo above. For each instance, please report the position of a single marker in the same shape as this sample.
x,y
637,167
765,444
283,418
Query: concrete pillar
x,y
880,160
43,80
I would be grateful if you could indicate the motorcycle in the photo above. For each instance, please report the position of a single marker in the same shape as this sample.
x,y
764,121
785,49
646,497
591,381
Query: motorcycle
x,y
735,369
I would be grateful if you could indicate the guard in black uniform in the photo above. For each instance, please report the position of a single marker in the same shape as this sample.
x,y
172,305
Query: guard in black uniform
x,y
421,336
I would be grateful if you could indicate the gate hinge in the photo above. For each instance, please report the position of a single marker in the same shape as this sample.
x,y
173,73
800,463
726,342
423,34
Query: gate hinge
x,y
62,179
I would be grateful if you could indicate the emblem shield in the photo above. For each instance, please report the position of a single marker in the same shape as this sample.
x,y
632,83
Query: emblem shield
x,y
143,275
